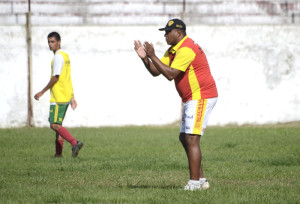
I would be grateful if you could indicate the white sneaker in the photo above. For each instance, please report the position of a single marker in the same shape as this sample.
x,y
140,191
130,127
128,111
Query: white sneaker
x,y
204,185
191,187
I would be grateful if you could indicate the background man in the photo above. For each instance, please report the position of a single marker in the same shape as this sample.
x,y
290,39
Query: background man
x,y
62,95
186,63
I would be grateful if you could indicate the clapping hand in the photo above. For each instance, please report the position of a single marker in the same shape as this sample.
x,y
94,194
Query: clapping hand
x,y
138,47
149,49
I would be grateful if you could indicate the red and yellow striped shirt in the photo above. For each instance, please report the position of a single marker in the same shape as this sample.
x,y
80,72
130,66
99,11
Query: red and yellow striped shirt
x,y
195,81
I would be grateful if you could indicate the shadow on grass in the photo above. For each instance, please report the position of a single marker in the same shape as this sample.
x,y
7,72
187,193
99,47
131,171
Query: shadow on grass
x,y
154,186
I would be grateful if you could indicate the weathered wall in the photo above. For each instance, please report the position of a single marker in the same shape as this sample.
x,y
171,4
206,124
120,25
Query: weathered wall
x,y
256,69
154,12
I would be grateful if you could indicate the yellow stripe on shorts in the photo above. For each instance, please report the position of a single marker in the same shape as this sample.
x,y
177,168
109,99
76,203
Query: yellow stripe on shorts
x,y
56,113
200,113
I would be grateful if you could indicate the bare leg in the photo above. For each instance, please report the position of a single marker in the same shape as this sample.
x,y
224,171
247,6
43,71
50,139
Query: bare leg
x,y
183,142
201,174
55,127
192,148
194,155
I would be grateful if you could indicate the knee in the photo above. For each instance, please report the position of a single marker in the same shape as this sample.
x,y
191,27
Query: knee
x,y
192,139
55,126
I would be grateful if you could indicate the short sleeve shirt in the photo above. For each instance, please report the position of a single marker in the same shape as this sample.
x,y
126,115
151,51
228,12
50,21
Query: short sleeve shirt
x,y
195,81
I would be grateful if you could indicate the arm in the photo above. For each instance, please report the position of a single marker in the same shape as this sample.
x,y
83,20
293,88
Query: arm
x,y
167,71
147,62
150,67
52,81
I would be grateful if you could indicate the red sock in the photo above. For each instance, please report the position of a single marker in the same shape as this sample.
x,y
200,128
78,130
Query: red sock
x,y
67,136
59,147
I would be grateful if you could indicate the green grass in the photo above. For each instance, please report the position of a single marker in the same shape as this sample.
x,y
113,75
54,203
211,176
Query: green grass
x,y
148,165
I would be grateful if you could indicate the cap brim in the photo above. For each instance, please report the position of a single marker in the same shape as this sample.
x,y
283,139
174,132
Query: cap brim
x,y
162,29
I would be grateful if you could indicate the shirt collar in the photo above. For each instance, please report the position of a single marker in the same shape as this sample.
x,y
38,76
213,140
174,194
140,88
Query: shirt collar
x,y
57,51
175,48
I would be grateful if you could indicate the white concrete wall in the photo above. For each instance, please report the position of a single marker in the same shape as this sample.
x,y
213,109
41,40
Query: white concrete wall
x,y
256,68
150,12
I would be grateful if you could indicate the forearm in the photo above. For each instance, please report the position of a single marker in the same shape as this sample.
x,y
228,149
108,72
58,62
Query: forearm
x,y
151,67
162,68
51,83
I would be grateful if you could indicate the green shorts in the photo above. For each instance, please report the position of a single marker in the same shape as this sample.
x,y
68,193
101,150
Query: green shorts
x,y
57,113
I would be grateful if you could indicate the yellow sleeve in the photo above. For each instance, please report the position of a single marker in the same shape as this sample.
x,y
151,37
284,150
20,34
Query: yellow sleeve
x,y
165,59
183,58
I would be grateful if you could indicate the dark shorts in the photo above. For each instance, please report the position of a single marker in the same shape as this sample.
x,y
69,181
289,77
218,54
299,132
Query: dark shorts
x,y
57,113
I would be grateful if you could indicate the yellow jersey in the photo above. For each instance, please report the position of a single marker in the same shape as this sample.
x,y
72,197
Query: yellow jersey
x,y
62,90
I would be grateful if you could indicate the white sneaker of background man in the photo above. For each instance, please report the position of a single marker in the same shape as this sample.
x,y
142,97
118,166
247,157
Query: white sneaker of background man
x,y
192,185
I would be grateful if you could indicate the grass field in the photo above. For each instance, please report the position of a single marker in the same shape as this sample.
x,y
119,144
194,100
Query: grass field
x,y
148,165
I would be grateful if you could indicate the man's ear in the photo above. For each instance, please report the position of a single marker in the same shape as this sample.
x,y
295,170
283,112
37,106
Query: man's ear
x,y
179,33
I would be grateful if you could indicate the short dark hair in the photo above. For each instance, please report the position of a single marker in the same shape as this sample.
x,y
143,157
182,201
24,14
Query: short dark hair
x,y
54,34
182,31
